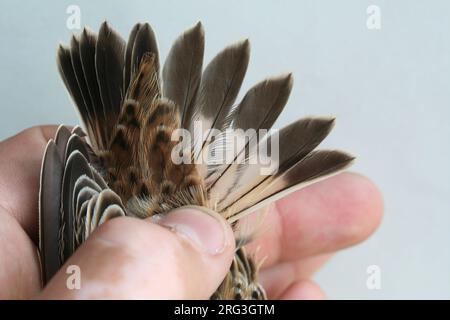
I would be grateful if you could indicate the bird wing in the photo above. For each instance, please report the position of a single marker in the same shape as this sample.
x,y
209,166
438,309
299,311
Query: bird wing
x,y
74,199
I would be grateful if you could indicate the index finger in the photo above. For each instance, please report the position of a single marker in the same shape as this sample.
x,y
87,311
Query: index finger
x,y
327,216
20,163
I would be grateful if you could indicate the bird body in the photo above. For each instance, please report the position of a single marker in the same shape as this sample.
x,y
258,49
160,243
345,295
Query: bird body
x,y
134,114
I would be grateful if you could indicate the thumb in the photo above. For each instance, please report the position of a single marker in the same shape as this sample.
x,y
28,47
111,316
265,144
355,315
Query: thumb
x,y
184,254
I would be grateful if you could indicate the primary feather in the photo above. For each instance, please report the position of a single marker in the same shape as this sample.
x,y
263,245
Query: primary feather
x,y
131,114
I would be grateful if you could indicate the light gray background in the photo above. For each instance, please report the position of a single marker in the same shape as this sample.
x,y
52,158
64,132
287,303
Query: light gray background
x,y
388,88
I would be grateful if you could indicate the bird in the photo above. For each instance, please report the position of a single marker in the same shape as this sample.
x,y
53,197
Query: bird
x,y
122,160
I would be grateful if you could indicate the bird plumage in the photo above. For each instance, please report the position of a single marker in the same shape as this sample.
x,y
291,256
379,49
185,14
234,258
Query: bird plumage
x,y
131,111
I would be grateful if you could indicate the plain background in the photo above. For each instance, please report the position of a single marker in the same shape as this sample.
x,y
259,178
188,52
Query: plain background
x,y
389,88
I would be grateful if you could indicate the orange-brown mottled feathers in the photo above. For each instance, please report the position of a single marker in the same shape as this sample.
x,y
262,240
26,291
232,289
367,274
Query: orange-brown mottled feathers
x,y
121,159
138,161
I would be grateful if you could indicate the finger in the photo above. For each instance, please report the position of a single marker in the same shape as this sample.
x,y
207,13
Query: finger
x,y
278,278
185,256
303,290
324,217
19,264
21,158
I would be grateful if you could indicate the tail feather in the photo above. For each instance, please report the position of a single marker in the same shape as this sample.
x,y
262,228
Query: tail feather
x,y
109,63
295,142
259,109
70,80
317,165
88,41
128,54
144,43
183,69
219,87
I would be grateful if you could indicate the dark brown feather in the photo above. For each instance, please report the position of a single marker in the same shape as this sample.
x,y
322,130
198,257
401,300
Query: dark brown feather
x,y
109,63
183,68
88,42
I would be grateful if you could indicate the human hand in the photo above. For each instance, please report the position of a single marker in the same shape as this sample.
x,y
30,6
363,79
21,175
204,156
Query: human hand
x,y
129,258
303,230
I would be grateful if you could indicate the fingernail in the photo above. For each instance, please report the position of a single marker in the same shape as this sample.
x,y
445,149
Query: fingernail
x,y
205,229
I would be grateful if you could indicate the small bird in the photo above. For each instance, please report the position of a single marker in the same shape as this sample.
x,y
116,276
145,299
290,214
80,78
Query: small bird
x,y
123,161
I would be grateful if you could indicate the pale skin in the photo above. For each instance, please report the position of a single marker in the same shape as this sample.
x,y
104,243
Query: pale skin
x,y
131,258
